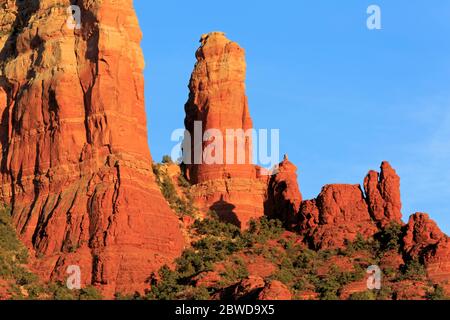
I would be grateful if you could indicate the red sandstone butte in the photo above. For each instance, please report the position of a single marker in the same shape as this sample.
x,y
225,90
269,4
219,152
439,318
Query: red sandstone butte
x,y
76,167
230,184
284,197
383,195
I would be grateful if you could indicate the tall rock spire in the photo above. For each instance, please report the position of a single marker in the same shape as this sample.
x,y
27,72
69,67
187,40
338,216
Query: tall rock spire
x,y
383,195
217,103
75,163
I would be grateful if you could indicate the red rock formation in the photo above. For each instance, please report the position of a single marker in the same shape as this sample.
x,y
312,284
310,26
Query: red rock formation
x,y
410,290
75,165
248,288
383,195
207,279
338,215
342,211
354,287
422,233
259,266
425,241
275,290
284,198
225,182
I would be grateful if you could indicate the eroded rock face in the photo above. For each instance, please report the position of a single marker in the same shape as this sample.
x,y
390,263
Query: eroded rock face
x,y
249,288
275,290
383,195
425,241
338,214
225,182
75,163
284,197
422,234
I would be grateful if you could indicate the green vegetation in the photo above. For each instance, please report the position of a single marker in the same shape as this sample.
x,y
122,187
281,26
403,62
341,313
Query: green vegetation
x,y
13,257
22,283
299,268
437,294
413,270
182,205
216,242
366,295
167,160
390,237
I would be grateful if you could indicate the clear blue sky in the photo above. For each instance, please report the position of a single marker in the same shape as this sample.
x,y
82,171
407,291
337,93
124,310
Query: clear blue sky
x,y
344,98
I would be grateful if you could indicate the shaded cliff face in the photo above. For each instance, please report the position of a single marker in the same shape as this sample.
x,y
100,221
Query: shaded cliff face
x,y
75,162
283,194
228,185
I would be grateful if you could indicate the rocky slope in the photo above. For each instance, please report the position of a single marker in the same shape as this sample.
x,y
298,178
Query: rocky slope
x,y
323,251
75,164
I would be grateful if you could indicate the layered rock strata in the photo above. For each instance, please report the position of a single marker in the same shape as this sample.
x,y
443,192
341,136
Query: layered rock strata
x,y
75,162
221,168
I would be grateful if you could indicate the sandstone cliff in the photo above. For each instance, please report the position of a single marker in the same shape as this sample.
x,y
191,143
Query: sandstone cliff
x,y
229,184
75,163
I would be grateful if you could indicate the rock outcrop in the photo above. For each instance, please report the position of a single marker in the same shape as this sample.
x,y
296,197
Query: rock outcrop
x,y
275,290
75,163
424,241
283,196
383,195
341,211
249,288
337,216
422,234
221,169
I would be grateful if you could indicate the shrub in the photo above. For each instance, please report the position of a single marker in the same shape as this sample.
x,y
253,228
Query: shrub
x,y
167,288
194,294
183,207
285,276
264,230
183,182
90,293
305,260
329,287
390,237
437,294
8,237
212,226
234,271
167,159
366,295
59,291
413,270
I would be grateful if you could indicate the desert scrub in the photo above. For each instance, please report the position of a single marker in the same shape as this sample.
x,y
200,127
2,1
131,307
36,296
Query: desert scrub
x,y
13,255
183,206
216,242
24,284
